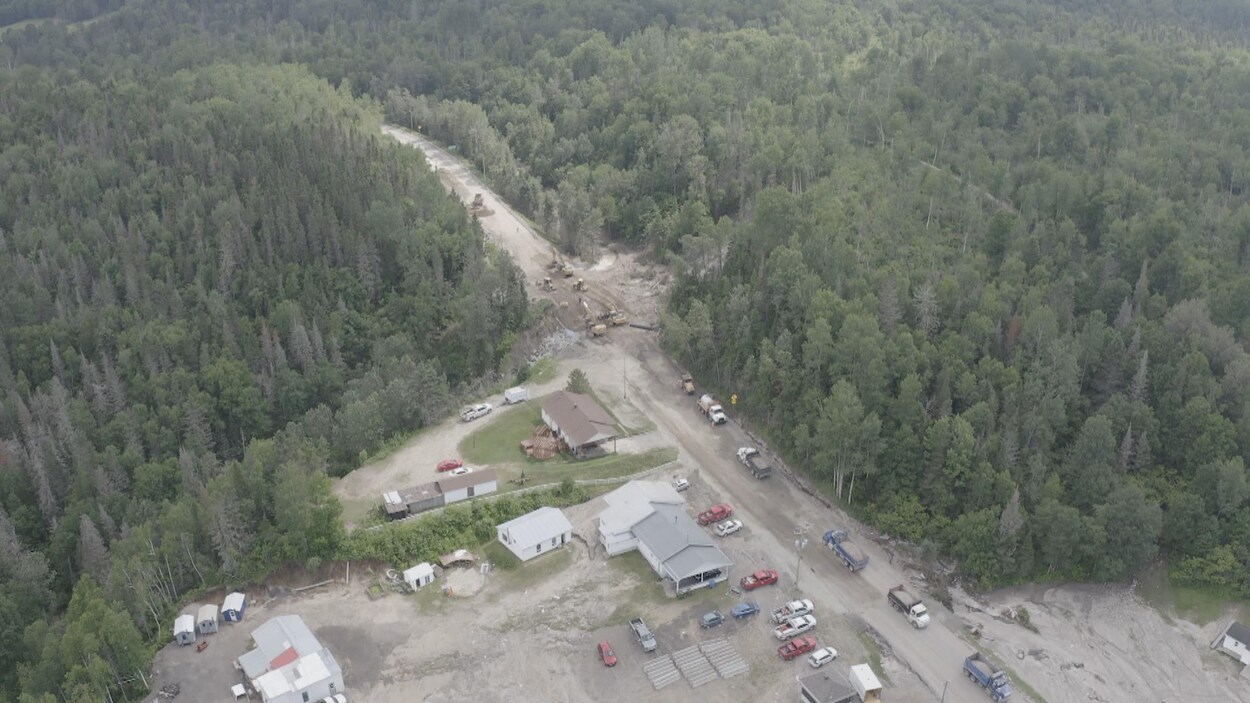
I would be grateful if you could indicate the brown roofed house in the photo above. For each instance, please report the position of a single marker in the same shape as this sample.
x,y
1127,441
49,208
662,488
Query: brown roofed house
x,y
578,420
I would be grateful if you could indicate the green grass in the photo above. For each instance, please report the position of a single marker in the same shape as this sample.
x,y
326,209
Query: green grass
x,y
543,370
612,466
518,575
874,656
1198,605
499,440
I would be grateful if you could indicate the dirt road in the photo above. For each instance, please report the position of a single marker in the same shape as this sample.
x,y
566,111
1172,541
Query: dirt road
x,y
633,362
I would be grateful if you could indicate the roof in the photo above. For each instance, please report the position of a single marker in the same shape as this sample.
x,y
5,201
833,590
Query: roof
x,y
1239,632
538,526
305,672
273,639
581,420
206,612
865,674
823,687
632,503
474,478
414,494
184,623
458,556
678,543
234,601
419,571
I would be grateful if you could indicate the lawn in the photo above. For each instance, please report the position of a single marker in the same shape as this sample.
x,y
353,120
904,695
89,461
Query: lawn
x,y
519,575
499,440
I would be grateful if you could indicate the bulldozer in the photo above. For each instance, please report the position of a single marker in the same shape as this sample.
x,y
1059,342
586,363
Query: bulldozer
x,y
566,269
579,284
614,317
477,203
547,285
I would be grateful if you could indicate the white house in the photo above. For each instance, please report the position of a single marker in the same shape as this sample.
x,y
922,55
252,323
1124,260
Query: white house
x,y
288,664
478,482
419,575
184,629
206,619
1236,642
534,533
627,506
232,608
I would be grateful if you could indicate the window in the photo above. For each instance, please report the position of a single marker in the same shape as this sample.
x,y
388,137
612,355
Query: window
x,y
553,541
470,491
305,696
538,547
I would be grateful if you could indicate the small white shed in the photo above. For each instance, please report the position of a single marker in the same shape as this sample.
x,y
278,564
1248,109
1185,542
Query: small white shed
x,y
543,530
419,575
206,619
232,609
518,394
184,629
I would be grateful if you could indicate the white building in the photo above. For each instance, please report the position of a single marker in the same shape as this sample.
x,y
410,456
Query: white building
x,y
1236,642
288,664
478,482
184,629
206,619
628,506
233,607
419,575
535,533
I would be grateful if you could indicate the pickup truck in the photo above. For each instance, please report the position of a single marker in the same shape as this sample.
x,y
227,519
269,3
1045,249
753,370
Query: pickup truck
x,y
751,458
716,513
475,411
796,647
763,577
849,552
793,609
643,634
794,627
911,606
708,406
987,676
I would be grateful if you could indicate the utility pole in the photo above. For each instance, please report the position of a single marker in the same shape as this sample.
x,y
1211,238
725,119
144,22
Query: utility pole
x,y
624,384
800,541
944,685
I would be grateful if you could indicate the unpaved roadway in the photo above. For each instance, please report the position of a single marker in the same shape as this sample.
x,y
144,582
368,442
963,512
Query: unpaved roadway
x,y
774,509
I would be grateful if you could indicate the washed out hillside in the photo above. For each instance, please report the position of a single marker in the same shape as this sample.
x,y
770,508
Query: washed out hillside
x,y
834,350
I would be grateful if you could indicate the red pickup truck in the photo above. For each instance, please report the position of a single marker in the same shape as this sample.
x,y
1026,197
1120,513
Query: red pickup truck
x,y
796,647
716,513
763,577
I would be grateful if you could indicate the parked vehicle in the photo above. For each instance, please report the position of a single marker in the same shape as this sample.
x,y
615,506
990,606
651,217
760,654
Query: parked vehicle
x,y
745,609
687,383
515,395
716,513
461,471
643,634
866,683
449,464
712,619
989,677
606,654
763,577
751,458
849,552
796,647
728,527
793,609
822,656
713,410
909,605
794,627
680,484
475,411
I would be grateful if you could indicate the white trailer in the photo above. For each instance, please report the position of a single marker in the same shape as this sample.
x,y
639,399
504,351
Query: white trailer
x,y
518,394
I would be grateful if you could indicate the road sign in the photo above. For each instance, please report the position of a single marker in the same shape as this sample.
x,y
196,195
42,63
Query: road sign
x,y
733,399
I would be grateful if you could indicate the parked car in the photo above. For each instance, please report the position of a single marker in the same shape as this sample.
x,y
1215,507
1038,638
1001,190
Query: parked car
x,y
475,411
606,654
680,484
763,577
745,610
449,464
461,471
716,513
728,527
711,619
822,656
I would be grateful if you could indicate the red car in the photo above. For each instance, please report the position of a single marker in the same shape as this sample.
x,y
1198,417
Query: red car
x,y
449,464
795,647
606,654
716,513
763,577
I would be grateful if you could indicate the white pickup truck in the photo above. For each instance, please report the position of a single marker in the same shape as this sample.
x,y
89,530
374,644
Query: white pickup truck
x,y
793,609
794,627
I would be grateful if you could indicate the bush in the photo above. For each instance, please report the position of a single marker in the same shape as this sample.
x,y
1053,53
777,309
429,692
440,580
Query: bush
x,y
578,383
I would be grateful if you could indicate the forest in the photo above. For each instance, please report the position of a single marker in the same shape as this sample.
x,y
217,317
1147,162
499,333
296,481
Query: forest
x,y
977,267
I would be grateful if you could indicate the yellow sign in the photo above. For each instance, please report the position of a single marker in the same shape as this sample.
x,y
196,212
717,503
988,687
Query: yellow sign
x,y
733,399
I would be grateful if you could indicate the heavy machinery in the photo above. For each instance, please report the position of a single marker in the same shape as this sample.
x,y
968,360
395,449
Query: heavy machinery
x,y
477,203
911,606
687,383
579,284
598,330
547,285
846,550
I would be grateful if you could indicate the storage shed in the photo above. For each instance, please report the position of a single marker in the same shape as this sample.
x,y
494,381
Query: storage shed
x,y
419,575
478,482
184,629
1236,642
206,619
233,607
543,530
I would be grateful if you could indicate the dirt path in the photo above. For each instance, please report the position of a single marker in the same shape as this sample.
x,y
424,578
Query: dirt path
x,y
631,363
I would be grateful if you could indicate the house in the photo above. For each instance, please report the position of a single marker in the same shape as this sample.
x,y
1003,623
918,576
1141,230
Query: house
x,y
649,516
232,608
206,619
419,575
288,663
444,491
578,421
825,687
184,629
1236,642
465,486
534,533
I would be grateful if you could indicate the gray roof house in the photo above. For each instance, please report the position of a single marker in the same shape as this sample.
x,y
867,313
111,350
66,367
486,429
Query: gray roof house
x,y
288,663
1235,642
823,687
578,420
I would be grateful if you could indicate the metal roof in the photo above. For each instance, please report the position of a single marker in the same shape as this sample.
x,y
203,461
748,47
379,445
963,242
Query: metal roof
x,y
273,639
580,419
206,612
866,676
679,543
300,675
234,601
538,526
184,623
474,478
1239,632
632,503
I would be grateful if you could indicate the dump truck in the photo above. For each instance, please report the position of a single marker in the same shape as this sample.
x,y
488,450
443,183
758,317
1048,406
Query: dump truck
x,y
911,606
755,462
849,552
794,627
687,383
793,609
797,647
989,677
643,634
713,410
